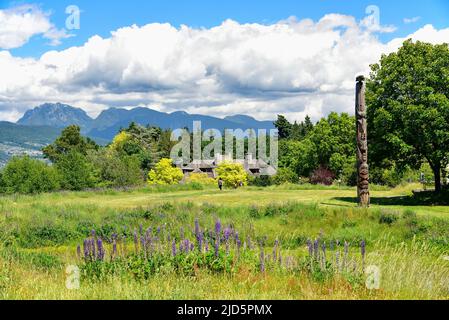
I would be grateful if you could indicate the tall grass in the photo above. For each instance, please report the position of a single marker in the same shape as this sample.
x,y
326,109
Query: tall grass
x,y
39,235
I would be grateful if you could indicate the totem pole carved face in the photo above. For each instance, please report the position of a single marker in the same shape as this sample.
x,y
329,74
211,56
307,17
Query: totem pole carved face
x,y
363,177
365,157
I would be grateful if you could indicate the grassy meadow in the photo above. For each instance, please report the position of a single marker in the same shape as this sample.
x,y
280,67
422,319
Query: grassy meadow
x,y
407,241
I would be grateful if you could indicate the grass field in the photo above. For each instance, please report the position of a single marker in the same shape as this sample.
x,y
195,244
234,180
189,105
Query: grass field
x,y
408,243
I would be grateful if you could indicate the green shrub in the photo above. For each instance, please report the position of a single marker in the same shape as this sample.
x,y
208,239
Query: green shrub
x,y
388,218
200,178
232,174
165,173
285,175
115,170
46,235
262,181
26,175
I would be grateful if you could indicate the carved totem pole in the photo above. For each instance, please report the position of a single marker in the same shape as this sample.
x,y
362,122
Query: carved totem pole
x,y
362,144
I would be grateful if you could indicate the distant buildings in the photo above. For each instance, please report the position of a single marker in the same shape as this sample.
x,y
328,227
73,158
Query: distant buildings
x,y
254,167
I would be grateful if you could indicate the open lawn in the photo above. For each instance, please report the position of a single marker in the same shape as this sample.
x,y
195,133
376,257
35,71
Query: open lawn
x,y
344,197
407,241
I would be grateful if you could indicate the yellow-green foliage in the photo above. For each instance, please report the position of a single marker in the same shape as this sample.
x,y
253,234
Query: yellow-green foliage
x,y
201,178
119,140
165,173
232,174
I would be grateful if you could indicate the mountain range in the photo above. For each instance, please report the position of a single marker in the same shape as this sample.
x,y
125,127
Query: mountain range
x,y
41,125
110,121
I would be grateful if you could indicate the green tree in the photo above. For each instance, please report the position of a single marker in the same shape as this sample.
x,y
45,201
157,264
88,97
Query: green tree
x,y
408,107
112,169
77,173
299,156
284,127
334,135
149,144
307,126
26,175
69,140
165,173
232,174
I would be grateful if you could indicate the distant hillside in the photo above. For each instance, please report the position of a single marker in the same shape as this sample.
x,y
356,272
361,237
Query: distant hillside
x,y
109,122
19,140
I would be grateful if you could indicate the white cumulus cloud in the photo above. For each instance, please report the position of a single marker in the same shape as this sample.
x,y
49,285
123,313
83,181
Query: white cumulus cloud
x,y
19,24
293,67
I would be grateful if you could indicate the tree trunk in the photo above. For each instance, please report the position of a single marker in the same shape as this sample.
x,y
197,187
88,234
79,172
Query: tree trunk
x,y
437,175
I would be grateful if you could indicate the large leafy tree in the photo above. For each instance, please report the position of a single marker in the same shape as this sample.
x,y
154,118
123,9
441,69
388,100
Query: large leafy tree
x,y
334,138
408,107
69,141
149,144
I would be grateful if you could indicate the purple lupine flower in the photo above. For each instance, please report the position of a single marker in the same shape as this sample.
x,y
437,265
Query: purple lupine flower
x,y
173,248
78,251
218,227
227,233
192,247
100,249
239,245
316,249
346,252
197,228
92,247
310,247
275,249
92,233
217,247
188,245
86,249
143,246
323,247
136,241
262,260
181,247
149,241
200,241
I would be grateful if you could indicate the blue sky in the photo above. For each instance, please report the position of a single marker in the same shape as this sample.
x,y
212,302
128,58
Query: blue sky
x,y
210,57
100,17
